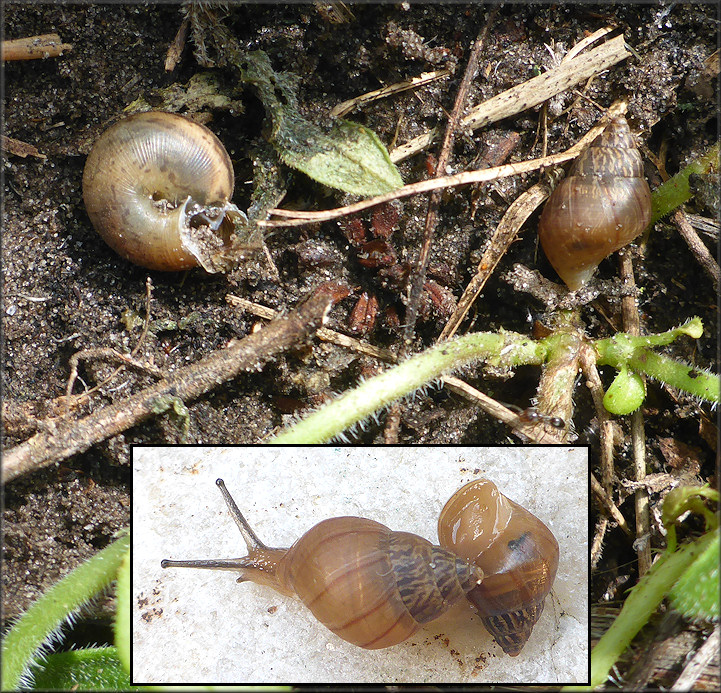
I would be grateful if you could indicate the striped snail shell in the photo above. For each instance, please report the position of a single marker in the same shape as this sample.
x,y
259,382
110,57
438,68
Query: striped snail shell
x,y
157,187
601,206
517,553
369,585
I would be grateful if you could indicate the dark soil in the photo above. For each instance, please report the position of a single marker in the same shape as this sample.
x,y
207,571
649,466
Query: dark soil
x,y
65,290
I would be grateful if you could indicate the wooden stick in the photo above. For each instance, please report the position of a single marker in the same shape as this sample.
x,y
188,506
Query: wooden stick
x,y
64,437
34,47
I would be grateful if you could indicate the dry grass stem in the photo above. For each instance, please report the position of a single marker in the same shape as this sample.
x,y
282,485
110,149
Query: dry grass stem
x,y
532,92
534,432
345,107
605,425
323,333
698,248
506,232
19,148
34,47
611,508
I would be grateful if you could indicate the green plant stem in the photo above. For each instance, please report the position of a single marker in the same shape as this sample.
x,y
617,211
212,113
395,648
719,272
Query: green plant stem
x,y
695,381
641,603
54,607
615,351
624,350
675,191
502,349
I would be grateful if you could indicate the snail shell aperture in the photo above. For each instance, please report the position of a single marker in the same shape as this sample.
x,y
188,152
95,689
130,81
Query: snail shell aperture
x,y
517,553
157,187
601,206
369,585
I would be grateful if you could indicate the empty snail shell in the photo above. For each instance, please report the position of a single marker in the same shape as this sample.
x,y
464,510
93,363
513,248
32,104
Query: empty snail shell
x,y
157,187
601,206
369,585
517,553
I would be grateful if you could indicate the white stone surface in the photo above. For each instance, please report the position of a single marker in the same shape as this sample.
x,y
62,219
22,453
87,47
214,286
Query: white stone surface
x,y
200,626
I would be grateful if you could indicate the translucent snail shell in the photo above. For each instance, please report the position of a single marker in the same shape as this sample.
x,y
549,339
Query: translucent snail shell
x,y
156,187
369,585
517,553
601,206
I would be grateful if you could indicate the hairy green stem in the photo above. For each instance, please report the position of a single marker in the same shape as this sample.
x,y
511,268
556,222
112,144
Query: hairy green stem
x,y
641,603
53,608
695,381
501,349
617,350
675,191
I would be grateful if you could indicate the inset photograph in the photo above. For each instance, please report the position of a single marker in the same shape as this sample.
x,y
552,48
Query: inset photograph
x,y
360,565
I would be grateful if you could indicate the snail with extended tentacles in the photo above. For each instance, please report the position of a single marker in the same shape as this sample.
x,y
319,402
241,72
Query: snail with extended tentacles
x,y
601,206
369,585
157,188
374,587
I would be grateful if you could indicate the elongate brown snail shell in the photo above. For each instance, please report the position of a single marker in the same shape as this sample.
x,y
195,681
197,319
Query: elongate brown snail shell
x,y
517,553
601,206
157,187
369,585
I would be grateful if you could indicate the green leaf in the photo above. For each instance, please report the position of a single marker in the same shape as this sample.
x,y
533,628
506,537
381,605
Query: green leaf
x,y
626,393
44,617
348,157
122,613
93,669
696,594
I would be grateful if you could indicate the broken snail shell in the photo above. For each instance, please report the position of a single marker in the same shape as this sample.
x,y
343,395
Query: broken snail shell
x,y
157,188
517,553
369,585
601,206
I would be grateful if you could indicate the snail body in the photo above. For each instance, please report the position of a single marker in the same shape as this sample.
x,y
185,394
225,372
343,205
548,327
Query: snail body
x,y
517,553
599,208
369,585
157,188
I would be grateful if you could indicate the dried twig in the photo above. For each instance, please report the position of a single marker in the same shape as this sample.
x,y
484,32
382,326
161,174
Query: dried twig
x,y
323,333
632,325
344,107
175,49
702,659
532,92
64,437
19,148
34,47
697,247
418,274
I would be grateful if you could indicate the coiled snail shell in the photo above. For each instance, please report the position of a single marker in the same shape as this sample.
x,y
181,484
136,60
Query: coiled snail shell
x,y
601,206
517,553
369,585
157,187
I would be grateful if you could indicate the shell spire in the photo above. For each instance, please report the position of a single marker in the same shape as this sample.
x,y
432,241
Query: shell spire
x,y
600,207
